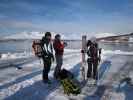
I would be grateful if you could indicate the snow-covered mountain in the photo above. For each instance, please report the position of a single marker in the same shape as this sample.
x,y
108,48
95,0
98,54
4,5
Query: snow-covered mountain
x,y
39,35
25,35
100,35
68,36
131,39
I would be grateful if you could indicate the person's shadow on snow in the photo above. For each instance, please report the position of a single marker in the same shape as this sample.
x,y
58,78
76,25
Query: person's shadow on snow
x,y
103,68
126,88
97,95
38,90
20,79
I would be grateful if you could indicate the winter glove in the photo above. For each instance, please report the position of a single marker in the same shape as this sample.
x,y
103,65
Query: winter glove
x,y
53,59
65,44
100,50
82,51
51,56
99,59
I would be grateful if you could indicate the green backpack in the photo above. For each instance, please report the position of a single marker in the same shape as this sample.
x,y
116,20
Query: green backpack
x,y
70,87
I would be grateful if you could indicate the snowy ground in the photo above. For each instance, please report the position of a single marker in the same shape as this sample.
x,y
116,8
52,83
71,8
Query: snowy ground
x,y
26,83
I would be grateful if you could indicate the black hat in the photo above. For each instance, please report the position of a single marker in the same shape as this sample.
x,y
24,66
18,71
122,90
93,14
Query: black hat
x,y
47,34
89,43
57,35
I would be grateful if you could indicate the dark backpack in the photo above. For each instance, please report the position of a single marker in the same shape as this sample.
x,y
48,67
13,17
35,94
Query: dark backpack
x,y
93,51
65,74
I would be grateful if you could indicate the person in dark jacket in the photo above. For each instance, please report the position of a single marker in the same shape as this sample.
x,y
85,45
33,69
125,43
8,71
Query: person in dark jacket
x,y
59,50
93,60
47,55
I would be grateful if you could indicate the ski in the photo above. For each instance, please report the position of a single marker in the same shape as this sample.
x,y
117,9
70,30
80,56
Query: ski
x,y
84,47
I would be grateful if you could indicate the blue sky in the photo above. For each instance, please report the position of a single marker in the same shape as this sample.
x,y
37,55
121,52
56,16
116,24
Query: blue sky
x,y
66,16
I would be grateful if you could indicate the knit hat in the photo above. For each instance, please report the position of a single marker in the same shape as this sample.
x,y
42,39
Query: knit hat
x,y
47,34
56,36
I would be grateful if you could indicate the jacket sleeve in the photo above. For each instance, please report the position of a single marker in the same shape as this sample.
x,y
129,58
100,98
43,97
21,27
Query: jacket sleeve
x,y
42,42
42,45
58,46
88,52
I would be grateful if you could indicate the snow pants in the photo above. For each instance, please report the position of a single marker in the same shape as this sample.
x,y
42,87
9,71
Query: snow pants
x,y
59,62
47,65
92,68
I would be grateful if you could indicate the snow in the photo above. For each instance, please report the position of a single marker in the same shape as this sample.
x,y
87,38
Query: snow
x,y
32,35
39,35
119,52
131,39
28,85
57,97
101,35
71,36
24,35
27,35
25,54
15,55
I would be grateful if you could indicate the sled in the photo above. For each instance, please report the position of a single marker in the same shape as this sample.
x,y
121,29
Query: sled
x,y
70,87
69,84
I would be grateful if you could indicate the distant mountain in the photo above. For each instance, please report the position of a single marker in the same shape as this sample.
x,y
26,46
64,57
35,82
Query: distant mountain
x,y
101,35
67,36
39,35
131,39
24,35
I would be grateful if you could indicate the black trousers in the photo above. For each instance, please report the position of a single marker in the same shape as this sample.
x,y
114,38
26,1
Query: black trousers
x,y
92,68
47,65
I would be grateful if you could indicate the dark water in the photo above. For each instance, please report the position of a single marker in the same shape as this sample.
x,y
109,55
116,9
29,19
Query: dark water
x,y
128,47
25,45
15,46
